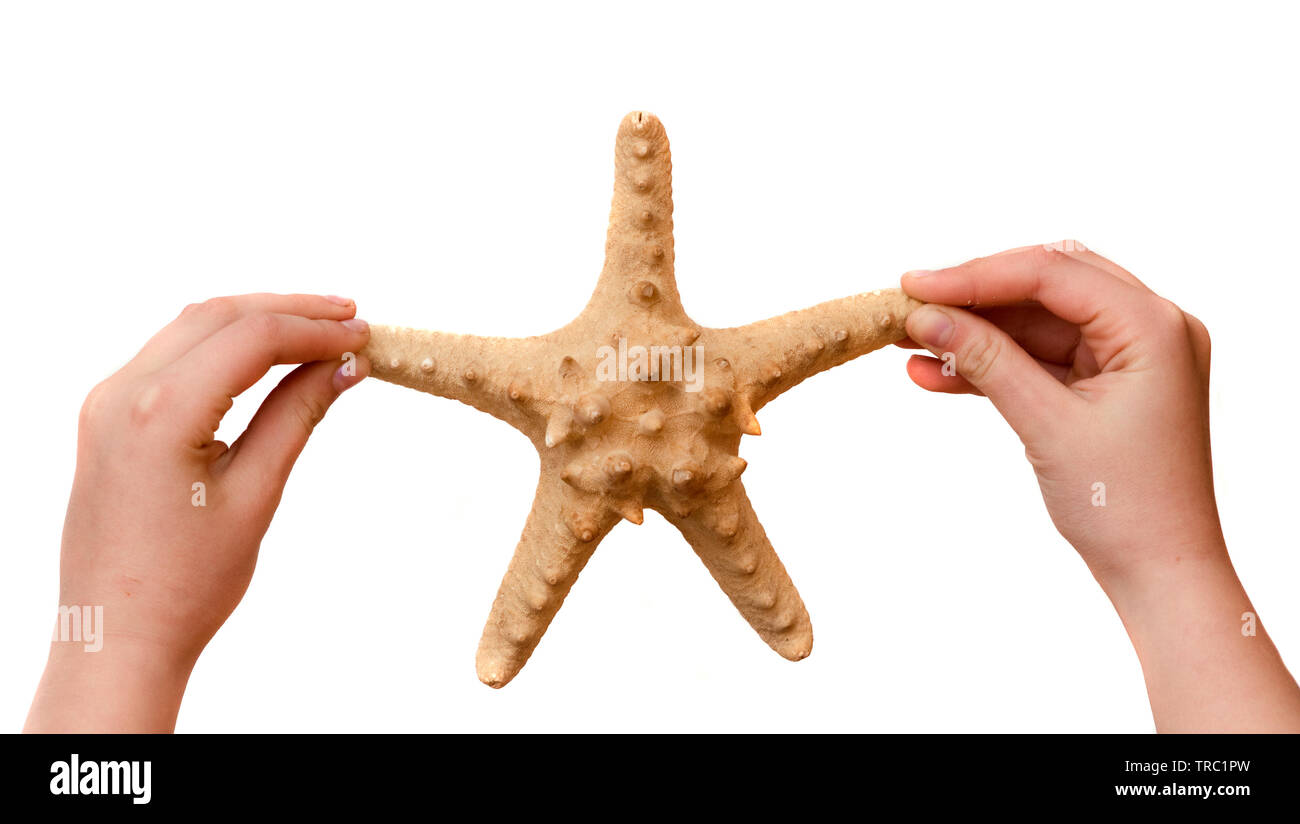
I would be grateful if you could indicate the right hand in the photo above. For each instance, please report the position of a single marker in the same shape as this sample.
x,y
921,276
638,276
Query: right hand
x,y
1105,382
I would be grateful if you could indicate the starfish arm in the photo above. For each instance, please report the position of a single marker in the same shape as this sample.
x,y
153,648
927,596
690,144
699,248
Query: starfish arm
x,y
490,374
563,530
783,351
639,253
727,536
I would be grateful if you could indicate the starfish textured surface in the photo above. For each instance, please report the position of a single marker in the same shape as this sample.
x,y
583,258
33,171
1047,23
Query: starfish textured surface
x,y
662,434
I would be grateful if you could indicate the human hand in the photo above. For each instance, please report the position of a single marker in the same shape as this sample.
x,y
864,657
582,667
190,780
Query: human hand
x,y
1105,382
164,522
1107,385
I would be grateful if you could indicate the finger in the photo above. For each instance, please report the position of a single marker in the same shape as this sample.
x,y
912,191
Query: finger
x,y
1038,331
1082,253
929,374
1078,251
1111,313
264,455
207,377
1023,392
1071,289
199,321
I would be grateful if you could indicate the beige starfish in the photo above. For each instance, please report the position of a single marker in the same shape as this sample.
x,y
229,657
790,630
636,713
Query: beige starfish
x,y
635,405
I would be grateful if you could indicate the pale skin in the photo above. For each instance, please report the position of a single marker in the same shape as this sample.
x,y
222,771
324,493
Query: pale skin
x,y
167,572
1106,382
1103,381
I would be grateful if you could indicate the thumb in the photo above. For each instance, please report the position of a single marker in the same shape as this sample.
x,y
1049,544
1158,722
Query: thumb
x,y
1029,397
276,435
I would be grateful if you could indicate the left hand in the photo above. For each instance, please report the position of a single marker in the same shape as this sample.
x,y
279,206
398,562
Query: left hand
x,y
164,522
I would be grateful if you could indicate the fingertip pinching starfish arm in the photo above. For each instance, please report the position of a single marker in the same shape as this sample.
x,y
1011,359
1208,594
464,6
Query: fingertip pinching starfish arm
x,y
783,351
490,374
727,536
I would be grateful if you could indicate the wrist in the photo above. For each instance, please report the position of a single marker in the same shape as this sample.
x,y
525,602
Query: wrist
x,y
128,685
1153,571
1209,665
1177,591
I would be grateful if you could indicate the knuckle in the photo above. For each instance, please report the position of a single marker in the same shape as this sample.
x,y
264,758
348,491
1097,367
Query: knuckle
x,y
263,326
978,356
1200,333
148,403
93,408
1167,315
1050,254
1201,342
220,305
311,411
220,310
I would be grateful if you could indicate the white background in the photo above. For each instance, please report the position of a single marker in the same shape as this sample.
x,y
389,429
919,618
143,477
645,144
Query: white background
x,y
451,168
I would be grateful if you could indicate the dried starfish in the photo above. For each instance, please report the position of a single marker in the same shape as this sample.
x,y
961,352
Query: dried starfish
x,y
610,447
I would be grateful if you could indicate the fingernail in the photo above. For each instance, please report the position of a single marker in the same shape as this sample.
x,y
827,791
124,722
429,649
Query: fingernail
x,y
357,325
336,299
930,326
918,273
345,377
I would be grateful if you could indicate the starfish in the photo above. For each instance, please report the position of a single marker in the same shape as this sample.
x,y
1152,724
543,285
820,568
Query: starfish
x,y
661,432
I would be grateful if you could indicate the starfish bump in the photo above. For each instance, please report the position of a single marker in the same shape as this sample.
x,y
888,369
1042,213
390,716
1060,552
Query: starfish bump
x,y
661,432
